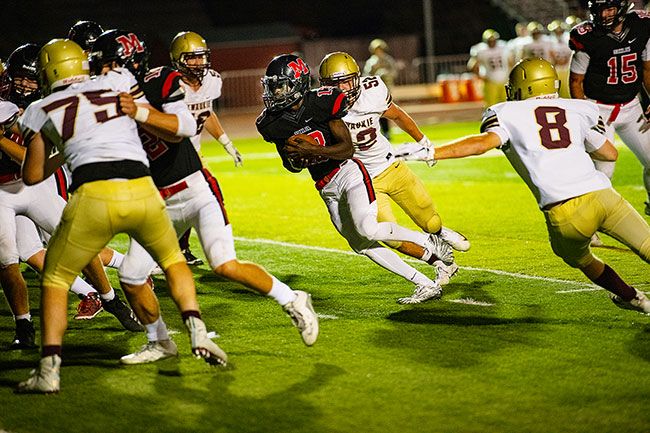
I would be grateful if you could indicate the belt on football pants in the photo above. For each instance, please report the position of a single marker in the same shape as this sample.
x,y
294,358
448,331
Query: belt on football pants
x,y
171,190
5,178
550,206
615,111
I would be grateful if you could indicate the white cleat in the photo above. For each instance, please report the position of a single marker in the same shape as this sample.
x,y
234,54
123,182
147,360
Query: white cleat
x,y
640,303
202,345
422,293
45,379
455,239
444,272
440,249
303,316
151,352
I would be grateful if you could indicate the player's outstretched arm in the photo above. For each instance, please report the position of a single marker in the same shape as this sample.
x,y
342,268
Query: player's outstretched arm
x,y
165,125
213,126
404,121
476,144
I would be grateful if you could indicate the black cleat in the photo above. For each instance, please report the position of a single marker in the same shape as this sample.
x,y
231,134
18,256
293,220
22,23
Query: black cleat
x,y
123,313
25,335
191,259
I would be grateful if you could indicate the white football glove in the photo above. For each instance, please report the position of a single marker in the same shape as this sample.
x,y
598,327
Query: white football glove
x,y
645,122
431,151
229,147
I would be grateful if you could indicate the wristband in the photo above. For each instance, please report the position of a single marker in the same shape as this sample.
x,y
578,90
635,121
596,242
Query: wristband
x,y
224,139
141,114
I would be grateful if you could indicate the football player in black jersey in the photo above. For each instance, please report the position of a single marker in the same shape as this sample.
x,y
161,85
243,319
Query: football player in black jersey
x,y
611,66
344,183
85,33
193,198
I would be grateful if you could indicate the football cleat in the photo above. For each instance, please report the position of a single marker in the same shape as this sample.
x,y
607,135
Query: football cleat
x,y
151,352
303,316
440,249
45,379
89,307
25,335
123,313
422,293
191,259
639,303
202,345
455,239
444,272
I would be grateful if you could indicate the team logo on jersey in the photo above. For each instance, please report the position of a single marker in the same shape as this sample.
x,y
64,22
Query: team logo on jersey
x,y
299,67
130,43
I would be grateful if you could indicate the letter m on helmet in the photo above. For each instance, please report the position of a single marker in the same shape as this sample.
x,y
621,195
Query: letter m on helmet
x,y
130,43
299,67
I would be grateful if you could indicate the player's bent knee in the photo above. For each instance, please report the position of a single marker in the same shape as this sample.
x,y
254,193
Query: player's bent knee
x,y
229,269
433,224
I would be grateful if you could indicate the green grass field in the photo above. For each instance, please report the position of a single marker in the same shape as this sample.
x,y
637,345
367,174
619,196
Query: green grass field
x,y
541,351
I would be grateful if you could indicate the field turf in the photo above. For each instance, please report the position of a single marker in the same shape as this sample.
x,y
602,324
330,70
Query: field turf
x,y
519,342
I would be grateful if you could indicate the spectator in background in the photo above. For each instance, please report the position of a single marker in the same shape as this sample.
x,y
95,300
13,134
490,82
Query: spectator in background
x,y
491,61
382,64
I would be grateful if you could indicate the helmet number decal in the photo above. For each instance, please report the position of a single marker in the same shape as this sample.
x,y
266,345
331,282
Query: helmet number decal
x,y
71,105
628,69
553,131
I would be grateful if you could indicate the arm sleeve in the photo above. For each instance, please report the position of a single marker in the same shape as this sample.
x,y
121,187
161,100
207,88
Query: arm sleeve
x,y
186,122
579,62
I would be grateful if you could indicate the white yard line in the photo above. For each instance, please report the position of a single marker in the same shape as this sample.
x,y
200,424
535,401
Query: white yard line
x,y
584,287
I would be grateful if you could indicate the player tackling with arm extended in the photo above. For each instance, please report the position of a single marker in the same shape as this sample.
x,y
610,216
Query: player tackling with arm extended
x,y
369,100
343,183
549,141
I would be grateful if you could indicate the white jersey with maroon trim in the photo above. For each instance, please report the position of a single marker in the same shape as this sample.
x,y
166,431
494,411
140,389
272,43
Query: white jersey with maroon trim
x,y
546,141
362,119
84,122
494,63
200,101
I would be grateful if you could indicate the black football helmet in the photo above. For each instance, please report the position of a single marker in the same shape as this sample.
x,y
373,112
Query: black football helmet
x,y
596,7
85,33
22,75
121,47
285,83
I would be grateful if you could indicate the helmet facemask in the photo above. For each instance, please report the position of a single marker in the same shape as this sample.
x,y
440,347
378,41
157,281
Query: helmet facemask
x,y
339,69
194,64
280,92
348,84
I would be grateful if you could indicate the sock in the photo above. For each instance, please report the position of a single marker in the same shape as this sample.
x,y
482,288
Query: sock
x,y
152,330
387,259
190,313
281,292
108,296
27,316
81,288
609,280
163,333
116,260
428,257
51,350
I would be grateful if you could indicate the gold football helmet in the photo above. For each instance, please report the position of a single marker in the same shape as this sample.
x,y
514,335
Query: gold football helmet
x,y
490,34
340,70
61,62
571,21
530,78
377,43
558,26
190,55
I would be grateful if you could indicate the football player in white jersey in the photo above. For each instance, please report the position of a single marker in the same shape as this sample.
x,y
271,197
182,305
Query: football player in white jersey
x,y
561,52
368,101
491,61
539,46
114,193
191,57
550,142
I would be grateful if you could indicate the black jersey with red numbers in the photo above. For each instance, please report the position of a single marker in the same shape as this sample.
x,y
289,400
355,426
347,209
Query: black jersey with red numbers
x,y
9,169
318,107
169,162
615,71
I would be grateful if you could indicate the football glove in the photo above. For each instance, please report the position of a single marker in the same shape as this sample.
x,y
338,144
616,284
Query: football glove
x,y
229,147
431,151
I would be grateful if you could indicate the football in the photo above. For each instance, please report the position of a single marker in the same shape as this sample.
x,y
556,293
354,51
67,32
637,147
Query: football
x,y
304,137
